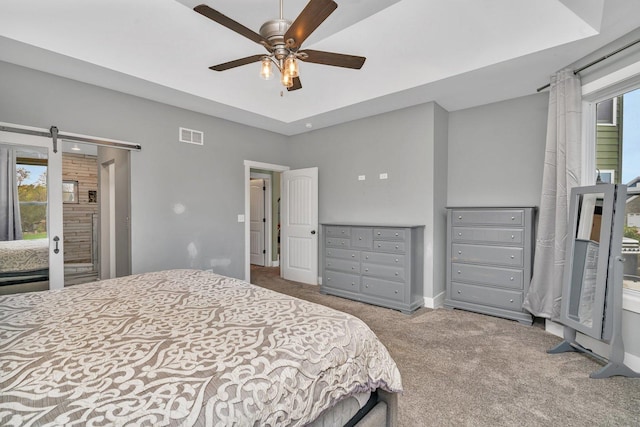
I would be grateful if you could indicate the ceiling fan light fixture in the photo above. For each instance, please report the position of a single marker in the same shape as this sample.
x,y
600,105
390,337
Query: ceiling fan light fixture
x,y
286,79
266,69
291,66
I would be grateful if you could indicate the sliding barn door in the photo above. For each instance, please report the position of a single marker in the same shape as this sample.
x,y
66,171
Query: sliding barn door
x,y
299,225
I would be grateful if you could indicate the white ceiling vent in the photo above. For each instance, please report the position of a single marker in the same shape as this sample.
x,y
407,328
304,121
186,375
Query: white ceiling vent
x,y
191,136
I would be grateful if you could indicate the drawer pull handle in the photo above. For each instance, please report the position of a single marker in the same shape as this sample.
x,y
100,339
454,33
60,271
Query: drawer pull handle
x,y
459,292
459,252
513,237
353,268
397,234
510,300
513,256
396,246
328,279
513,218
379,245
379,233
342,231
366,269
353,284
353,255
396,291
366,286
396,273
460,217
396,259
359,238
511,278
460,234
459,272
367,257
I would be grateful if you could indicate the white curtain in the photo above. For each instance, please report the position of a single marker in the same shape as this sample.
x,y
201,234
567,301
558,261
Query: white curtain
x,y
562,171
10,226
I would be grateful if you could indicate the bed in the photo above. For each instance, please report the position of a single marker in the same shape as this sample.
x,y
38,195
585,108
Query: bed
x,y
24,261
187,347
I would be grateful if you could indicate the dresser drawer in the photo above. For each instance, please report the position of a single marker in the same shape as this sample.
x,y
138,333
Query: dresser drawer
x,y
488,235
483,295
497,255
389,233
361,238
337,231
344,281
496,276
381,258
343,265
342,254
395,247
336,242
383,289
488,216
384,271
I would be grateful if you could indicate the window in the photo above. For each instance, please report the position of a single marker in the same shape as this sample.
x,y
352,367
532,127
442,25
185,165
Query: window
x,y
70,191
618,161
32,196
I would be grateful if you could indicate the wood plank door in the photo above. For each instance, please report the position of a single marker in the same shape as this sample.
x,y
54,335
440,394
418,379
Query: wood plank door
x,y
299,225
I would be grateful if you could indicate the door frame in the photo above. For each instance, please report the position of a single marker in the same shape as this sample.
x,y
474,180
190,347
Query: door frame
x,y
248,165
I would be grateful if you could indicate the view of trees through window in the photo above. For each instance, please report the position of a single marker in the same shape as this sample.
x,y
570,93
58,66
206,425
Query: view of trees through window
x,y
618,161
32,194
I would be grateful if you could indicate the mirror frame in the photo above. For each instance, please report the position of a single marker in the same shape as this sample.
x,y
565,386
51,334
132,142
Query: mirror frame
x,y
598,310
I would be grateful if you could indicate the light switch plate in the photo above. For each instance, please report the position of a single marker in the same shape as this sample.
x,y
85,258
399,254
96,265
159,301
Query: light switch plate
x,y
384,176
240,218
361,177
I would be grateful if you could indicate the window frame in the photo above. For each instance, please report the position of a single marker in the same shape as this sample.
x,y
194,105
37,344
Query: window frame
x,y
611,85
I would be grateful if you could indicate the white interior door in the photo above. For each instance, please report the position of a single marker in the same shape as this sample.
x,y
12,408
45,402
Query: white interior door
x,y
258,222
54,199
299,225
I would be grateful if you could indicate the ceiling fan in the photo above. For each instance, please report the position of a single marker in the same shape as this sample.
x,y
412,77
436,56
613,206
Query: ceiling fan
x,y
283,40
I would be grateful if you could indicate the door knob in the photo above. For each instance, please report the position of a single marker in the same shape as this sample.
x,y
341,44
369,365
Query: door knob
x,y
313,231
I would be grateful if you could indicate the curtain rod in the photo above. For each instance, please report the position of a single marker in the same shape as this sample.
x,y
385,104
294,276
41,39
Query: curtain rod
x,y
592,63
53,133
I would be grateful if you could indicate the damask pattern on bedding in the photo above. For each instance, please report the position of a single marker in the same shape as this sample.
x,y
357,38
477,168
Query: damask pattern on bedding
x,y
24,255
180,347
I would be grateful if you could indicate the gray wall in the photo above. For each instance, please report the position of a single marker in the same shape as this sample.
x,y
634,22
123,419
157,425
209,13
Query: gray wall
x,y
410,146
185,198
496,153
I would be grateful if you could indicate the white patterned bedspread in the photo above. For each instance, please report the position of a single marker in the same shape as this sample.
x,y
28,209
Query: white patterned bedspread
x,y
180,347
24,255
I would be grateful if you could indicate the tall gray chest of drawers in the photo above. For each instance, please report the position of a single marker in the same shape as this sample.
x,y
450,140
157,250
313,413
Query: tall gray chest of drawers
x,y
489,260
381,265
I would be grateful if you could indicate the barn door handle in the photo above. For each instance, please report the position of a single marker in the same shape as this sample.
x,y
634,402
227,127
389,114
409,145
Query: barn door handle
x,y
56,239
313,231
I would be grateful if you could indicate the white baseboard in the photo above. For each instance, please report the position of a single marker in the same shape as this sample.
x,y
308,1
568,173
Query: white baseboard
x,y
275,263
436,302
598,347
319,280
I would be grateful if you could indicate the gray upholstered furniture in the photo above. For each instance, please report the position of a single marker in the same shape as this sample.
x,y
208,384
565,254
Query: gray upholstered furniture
x,y
377,264
489,260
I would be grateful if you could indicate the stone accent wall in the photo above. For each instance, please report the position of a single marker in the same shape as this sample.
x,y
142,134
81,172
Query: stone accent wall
x,y
78,216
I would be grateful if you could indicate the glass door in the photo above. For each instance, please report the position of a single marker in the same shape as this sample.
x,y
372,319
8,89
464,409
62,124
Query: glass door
x,y
31,234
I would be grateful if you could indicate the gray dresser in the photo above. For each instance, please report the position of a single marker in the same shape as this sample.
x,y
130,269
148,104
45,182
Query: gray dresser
x,y
376,264
489,260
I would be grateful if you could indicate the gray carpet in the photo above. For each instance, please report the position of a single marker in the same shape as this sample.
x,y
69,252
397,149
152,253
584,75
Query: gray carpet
x,y
465,369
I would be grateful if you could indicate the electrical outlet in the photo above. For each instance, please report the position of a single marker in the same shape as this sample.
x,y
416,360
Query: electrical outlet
x,y
240,218
361,177
384,176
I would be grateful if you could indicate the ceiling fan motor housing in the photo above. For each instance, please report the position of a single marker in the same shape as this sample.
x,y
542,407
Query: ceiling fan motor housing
x,y
274,31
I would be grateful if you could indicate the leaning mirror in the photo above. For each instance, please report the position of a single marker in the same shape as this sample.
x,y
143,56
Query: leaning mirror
x,y
586,269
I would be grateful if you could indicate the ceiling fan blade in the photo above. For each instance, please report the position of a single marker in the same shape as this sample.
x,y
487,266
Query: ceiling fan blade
x,y
237,63
334,59
314,13
224,20
296,84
